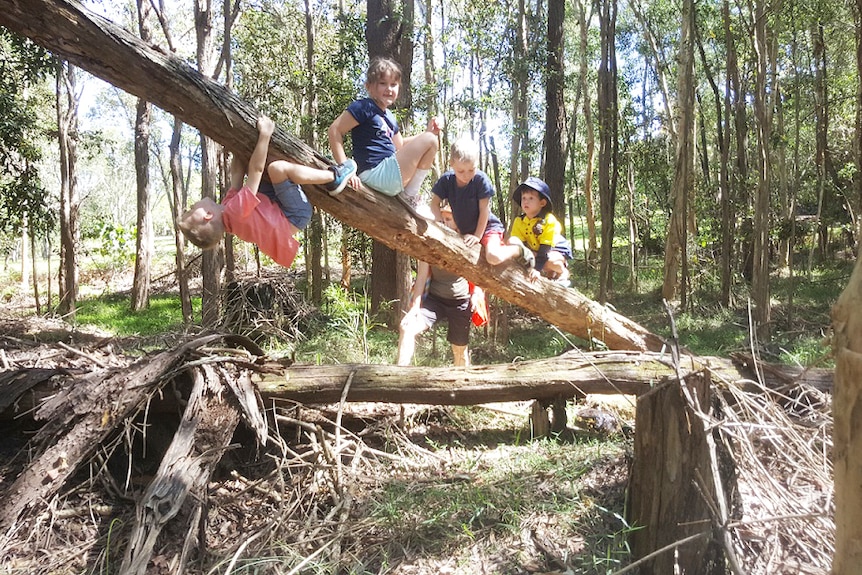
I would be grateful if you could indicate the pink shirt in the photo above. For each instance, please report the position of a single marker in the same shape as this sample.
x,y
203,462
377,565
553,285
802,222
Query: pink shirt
x,y
257,219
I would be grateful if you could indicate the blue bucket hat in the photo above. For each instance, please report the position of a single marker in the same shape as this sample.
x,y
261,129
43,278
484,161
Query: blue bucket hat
x,y
538,185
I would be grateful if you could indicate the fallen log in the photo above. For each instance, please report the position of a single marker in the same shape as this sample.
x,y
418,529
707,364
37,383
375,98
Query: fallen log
x,y
572,374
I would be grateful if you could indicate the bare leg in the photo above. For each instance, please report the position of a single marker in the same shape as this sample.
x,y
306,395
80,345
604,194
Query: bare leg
x,y
418,153
497,253
282,170
460,355
409,329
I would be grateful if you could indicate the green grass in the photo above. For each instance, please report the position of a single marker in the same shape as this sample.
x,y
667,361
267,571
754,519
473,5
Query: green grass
x,y
112,313
505,493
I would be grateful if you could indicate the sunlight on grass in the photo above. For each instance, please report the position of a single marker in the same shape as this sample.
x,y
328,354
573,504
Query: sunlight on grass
x,y
509,489
113,314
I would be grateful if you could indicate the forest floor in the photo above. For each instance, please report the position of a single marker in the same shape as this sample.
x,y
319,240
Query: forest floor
x,y
414,490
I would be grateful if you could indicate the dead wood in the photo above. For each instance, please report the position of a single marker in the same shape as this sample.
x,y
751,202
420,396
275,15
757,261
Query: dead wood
x,y
572,374
79,418
106,50
204,433
674,501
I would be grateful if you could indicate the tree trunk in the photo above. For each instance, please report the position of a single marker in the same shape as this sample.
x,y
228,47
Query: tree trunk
x,y
608,123
660,67
520,101
572,374
144,226
67,135
389,32
847,436
675,251
144,240
555,118
314,232
120,58
763,113
590,144
735,107
671,502
821,132
178,195
212,260
847,397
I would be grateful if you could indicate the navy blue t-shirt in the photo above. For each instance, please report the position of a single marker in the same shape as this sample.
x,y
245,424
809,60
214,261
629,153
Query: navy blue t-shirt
x,y
372,138
465,201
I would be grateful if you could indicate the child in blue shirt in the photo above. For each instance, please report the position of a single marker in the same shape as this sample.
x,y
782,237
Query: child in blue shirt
x,y
468,191
387,161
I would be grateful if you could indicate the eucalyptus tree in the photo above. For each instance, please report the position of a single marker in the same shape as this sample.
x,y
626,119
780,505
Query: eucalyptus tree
x,y
555,116
144,238
585,92
67,105
676,253
389,33
212,259
608,141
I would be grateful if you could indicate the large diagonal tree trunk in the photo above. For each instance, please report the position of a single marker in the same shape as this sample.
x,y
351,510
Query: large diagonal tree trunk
x,y
123,60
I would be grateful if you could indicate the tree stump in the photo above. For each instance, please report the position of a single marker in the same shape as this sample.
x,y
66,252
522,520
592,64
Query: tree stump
x,y
670,479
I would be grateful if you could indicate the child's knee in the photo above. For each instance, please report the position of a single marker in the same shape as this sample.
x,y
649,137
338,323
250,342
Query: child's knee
x,y
278,171
493,257
430,141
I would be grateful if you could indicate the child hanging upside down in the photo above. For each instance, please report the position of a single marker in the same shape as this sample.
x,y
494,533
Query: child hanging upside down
x,y
270,219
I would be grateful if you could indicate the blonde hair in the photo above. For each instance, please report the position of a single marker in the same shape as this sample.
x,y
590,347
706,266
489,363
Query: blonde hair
x,y
381,67
464,149
206,236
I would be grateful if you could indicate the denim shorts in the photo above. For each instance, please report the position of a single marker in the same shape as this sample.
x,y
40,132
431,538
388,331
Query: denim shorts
x,y
385,177
292,201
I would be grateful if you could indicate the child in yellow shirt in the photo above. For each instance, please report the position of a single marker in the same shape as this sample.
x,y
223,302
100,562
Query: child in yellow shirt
x,y
540,231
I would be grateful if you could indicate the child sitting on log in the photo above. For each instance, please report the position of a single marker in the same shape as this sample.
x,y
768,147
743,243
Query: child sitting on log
x,y
538,230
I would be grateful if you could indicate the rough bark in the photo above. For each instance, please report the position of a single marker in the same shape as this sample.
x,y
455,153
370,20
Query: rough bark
x,y
144,248
583,77
762,208
608,145
123,60
555,118
77,420
204,433
67,128
671,502
847,435
675,252
571,374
